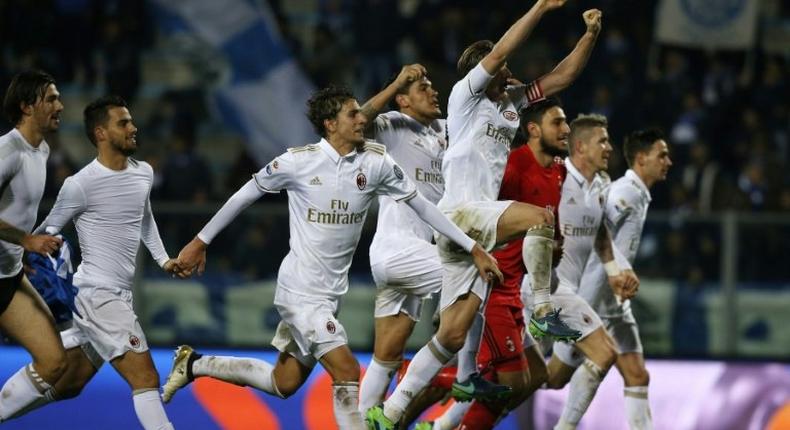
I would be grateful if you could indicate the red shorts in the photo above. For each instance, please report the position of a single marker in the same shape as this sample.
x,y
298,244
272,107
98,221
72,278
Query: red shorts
x,y
503,337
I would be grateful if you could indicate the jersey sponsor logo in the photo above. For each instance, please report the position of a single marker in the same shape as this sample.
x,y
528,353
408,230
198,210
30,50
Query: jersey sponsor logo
x,y
398,172
315,181
134,341
510,115
421,175
570,230
339,214
330,327
502,135
362,181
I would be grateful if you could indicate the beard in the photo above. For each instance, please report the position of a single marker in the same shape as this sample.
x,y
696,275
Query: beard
x,y
552,150
126,151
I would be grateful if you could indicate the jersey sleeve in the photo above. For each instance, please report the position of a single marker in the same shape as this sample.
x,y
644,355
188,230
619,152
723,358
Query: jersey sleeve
x,y
70,202
393,182
150,236
470,89
9,165
386,126
277,175
622,216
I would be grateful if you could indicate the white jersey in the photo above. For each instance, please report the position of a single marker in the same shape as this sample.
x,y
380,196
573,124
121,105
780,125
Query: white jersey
x,y
112,213
480,133
418,150
625,213
328,200
581,213
23,173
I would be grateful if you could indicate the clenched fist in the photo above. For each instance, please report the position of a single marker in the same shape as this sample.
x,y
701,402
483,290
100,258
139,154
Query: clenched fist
x,y
592,18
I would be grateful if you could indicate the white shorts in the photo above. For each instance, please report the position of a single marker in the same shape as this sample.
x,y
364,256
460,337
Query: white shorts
x,y
108,322
72,337
405,280
578,315
479,221
625,332
309,328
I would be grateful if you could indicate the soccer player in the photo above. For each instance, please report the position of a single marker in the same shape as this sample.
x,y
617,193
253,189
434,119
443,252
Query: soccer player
x,y
108,200
583,230
628,199
330,186
32,103
405,264
482,121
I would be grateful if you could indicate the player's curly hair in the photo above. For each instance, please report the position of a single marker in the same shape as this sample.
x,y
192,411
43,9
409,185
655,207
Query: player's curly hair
x,y
640,141
25,89
535,111
472,55
325,104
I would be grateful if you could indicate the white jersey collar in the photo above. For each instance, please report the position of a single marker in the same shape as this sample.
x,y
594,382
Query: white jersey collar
x,y
577,175
18,135
630,174
332,153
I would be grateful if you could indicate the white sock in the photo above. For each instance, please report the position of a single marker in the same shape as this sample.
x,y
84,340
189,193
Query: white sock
x,y
240,371
536,251
467,356
451,418
375,382
637,408
425,365
345,399
583,385
24,392
149,409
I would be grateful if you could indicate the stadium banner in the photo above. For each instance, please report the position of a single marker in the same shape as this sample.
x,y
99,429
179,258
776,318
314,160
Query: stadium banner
x,y
684,395
258,88
707,24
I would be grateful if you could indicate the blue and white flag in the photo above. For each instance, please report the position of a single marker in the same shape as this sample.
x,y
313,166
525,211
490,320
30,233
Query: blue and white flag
x,y
707,24
52,276
263,91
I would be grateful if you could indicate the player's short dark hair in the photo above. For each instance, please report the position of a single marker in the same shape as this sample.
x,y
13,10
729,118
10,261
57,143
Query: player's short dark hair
x,y
535,111
98,113
582,124
325,104
473,54
640,141
401,90
25,88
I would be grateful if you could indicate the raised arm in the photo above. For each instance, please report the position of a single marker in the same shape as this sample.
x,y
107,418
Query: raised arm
x,y
571,66
378,102
516,34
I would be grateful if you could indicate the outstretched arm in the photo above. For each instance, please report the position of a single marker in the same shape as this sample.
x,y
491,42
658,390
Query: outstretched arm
x,y
377,103
193,255
152,240
516,34
571,66
486,264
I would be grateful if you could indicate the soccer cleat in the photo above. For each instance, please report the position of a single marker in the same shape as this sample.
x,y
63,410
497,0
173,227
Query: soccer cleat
x,y
424,425
479,388
376,420
551,325
179,375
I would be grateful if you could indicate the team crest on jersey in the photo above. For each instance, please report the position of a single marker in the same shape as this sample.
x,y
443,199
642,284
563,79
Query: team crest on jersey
x,y
509,344
362,181
510,115
330,327
134,341
398,172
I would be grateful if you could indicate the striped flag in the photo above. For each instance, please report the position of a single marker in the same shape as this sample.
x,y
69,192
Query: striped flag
x,y
707,24
263,91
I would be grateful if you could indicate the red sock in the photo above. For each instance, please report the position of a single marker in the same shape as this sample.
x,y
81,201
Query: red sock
x,y
479,417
